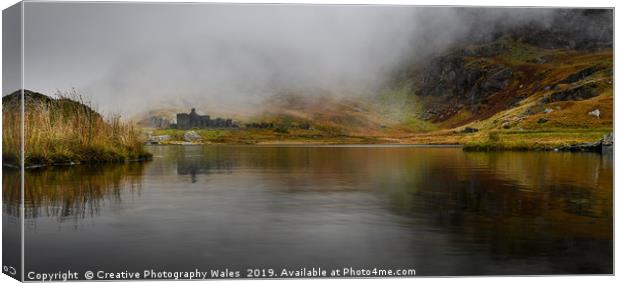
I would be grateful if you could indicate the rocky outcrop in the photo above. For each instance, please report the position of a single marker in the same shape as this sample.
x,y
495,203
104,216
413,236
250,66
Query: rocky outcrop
x,y
608,140
580,75
598,146
158,139
192,136
582,92
448,76
455,85
483,75
490,82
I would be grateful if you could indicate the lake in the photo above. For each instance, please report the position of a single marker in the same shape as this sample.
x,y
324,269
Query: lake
x,y
438,210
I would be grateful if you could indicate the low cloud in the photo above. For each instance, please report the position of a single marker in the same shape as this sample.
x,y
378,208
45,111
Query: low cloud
x,y
135,57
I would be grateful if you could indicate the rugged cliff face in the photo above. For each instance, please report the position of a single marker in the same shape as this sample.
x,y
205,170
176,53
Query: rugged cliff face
x,y
569,60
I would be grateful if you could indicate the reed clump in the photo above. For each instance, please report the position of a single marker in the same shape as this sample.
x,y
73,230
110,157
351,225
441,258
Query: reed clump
x,y
66,130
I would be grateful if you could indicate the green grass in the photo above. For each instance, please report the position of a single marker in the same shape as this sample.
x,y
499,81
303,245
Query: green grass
x,y
534,140
394,113
402,105
518,52
419,125
206,134
256,136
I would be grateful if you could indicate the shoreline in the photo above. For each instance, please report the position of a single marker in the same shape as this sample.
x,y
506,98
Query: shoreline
x,y
595,147
522,139
70,164
600,146
604,149
299,144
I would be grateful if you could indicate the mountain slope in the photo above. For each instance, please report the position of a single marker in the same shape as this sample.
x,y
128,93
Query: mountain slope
x,y
528,86
469,85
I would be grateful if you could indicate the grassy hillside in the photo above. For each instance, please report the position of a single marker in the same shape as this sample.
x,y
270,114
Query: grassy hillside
x,y
64,131
514,92
309,118
544,103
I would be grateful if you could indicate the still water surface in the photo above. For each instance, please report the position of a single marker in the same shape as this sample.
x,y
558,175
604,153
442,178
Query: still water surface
x,y
439,210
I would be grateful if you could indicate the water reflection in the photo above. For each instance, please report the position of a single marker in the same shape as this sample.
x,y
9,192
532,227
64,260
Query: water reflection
x,y
440,210
11,224
70,193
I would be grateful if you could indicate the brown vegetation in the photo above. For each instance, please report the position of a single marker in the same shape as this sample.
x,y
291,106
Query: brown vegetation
x,y
65,130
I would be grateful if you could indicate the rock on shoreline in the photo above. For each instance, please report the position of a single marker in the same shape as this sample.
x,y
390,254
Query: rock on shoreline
x,y
598,146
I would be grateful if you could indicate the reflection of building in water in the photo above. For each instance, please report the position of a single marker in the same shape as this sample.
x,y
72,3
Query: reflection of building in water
x,y
202,165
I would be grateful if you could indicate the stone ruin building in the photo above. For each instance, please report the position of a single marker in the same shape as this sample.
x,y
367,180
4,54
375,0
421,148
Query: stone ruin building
x,y
159,122
186,121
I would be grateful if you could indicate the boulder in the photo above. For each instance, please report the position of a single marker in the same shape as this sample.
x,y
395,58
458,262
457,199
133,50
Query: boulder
x,y
595,113
157,139
192,136
608,139
469,130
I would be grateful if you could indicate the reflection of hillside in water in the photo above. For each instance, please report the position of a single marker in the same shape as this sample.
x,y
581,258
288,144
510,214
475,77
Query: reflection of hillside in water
x,y
508,204
489,185
10,191
70,192
506,186
519,203
497,184
522,204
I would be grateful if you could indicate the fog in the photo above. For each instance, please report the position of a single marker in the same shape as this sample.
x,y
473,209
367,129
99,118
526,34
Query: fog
x,y
129,58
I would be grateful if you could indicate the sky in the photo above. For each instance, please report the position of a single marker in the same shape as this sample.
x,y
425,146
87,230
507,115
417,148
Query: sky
x,y
130,57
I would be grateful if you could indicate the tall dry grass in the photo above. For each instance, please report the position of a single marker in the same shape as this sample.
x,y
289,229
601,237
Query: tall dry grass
x,y
11,132
66,130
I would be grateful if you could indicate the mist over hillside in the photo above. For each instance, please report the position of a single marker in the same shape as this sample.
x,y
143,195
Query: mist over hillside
x,y
230,58
512,78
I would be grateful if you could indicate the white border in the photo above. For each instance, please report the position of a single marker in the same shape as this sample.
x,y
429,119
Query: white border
x,y
528,3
